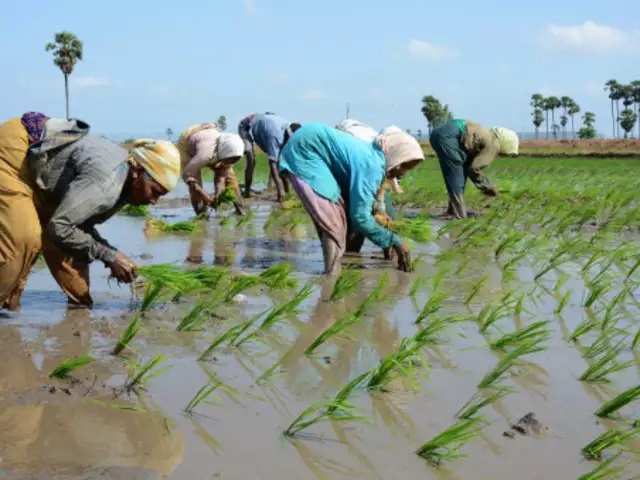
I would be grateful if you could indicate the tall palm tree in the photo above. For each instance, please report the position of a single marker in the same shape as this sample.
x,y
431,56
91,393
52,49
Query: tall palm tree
x,y
565,103
613,87
67,51
551,103
572,110
169,132
538,118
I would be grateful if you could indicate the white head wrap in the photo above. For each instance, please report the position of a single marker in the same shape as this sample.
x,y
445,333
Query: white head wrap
x,y
509,141
398,146
357,129
159,158
230,145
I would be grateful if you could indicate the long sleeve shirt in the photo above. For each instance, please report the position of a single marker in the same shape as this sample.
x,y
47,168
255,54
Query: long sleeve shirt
x,y
266,131
84,181
482,147
335,164
199,152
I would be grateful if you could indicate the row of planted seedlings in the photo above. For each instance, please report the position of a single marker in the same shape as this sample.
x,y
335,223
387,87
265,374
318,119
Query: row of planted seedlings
x,y
607,269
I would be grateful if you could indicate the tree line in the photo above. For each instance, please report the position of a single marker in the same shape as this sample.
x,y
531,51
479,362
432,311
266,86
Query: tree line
x,y
629,94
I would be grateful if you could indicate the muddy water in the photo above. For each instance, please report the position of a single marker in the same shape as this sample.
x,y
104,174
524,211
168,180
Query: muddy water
x,y
53,429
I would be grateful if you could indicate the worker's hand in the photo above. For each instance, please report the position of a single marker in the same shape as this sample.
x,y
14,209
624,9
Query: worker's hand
x,y
123,268
389,253
404,257
239,210
491,191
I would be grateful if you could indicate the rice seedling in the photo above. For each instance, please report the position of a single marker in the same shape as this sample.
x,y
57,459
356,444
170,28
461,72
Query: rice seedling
x,y
171,276
480,400
346,282
399,362
564,301
124,341
509,241
636,340
339,326
601,472
140,373
188,226
209,278
536,332
431,306
239,285
430,331
586,326
446,445
246,218
475,288
126,408
192,320
416,285
227,196
610,317
229,335
151,296
135,210
605,365
338,409
526,348
596,290
622,400
633,269
278,277
490,314
203,394
277,313
600,346
69,365
225,221
593,450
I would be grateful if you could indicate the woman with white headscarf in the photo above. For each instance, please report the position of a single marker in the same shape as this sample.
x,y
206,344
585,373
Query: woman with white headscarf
x,y
204,145
337,177
464,149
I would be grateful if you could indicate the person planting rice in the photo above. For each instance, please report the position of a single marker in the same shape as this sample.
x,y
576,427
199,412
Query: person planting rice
x,y
382,206
204,145
270,132
464,149
57,182
337,178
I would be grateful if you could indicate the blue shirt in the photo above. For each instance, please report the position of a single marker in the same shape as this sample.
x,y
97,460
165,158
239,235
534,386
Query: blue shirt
x,y
334,164
267,131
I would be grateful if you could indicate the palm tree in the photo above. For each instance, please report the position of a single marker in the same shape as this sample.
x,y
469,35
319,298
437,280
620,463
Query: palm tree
x,y
552,103
537,102
613,87
538,118
588,131
565,103
589,119
67,51
627,121
419,132
572,110
636,98
169,133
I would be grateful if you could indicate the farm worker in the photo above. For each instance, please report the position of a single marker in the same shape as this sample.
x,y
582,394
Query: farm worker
x,y
57,182
337,177
382,206
204,145
270,132
464,149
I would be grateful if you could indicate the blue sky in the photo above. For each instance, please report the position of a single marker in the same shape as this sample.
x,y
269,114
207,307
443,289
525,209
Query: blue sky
x,y
152,65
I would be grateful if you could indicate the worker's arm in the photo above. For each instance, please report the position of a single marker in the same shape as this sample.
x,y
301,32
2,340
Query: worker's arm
x,y
482,148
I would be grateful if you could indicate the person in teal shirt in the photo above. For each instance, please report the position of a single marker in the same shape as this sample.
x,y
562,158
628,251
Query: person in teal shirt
x,y
338,178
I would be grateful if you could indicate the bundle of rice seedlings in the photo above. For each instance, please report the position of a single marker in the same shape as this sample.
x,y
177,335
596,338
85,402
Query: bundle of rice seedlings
x,y
346,282
124,341
536,332
625,398
239,285
192,321
526,348
605,365
203,394
593,450
69,365
416,229
278,277
172,277
481,400
140,373
229,335
158,225
226,197
135,210
601,472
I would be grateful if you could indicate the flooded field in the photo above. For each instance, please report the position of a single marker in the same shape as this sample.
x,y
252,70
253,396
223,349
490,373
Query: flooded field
x,y
477,282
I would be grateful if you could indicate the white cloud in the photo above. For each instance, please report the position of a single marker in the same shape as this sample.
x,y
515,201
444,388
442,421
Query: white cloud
x,y
89,81
313,95
422,49
250,7
590,38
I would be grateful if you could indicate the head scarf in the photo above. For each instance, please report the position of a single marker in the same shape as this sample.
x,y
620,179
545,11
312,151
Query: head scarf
x,y
230,145
398,147
159,158
509,141
34,123
357,129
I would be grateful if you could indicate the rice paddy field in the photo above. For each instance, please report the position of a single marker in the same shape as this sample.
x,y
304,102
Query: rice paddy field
x,y
512,351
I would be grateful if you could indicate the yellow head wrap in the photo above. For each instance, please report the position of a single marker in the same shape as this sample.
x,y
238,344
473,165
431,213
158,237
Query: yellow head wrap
x,y
159,158
509,141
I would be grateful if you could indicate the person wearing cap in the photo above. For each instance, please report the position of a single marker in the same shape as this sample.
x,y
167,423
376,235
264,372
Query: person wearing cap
x,y
204,145
337,177
57,182
464,150
270,132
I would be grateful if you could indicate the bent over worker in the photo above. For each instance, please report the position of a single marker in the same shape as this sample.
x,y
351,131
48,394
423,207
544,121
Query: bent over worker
x,y
464,150
204,145
57,182
270,132
337,177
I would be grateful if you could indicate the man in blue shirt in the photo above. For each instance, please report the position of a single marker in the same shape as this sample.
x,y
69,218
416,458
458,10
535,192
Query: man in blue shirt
x,y
270,132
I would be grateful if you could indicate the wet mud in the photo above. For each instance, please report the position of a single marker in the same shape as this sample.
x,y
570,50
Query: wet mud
x,y
87,427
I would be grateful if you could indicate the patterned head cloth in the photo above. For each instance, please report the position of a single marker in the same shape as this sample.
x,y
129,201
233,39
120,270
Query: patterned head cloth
x,y
398,147
230,145
159,158
509,141
34,123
